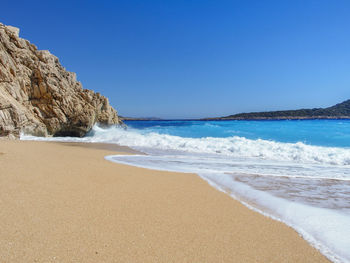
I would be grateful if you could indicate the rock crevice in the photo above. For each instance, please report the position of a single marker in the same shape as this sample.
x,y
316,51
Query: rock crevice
x,y
38,96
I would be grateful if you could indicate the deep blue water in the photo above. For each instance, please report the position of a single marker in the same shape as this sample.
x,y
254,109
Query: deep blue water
x,y
335,133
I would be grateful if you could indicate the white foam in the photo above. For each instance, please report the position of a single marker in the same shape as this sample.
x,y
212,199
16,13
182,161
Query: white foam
x,y
212,158
326,229
237,147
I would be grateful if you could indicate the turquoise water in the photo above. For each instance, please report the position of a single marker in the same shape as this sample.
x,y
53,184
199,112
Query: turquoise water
x,y
297,172
335,133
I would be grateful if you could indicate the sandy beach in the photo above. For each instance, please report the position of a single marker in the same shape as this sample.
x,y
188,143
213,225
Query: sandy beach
x,y
64,202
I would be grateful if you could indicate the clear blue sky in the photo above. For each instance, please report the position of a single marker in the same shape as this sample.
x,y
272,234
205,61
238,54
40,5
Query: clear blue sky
x,y
186,59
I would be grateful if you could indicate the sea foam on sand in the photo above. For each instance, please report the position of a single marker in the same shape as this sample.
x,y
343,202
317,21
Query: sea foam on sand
x,y
320,214
326,229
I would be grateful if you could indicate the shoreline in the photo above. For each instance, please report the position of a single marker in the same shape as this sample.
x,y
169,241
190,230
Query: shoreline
x,y
102,146
64,200
345,118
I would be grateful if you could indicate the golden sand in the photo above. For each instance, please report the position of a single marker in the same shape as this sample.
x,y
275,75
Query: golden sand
x,y
66,203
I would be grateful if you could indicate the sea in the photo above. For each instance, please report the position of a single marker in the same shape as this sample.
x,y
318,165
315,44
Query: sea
x,y
294,171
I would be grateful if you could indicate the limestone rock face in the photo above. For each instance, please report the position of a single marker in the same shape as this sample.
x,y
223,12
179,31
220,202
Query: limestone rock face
x,y
39,97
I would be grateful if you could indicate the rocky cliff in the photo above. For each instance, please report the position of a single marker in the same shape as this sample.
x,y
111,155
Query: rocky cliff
x,y
38,96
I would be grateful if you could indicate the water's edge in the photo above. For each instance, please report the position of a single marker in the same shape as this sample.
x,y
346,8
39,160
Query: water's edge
x,y
304,234
270,167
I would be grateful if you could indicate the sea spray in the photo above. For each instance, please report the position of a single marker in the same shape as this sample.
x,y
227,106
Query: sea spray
x,y
238,147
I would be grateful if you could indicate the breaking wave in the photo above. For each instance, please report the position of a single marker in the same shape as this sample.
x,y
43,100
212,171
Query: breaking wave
x,y
237,147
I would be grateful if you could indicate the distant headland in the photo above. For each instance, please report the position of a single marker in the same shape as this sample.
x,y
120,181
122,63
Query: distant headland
x,y
338,111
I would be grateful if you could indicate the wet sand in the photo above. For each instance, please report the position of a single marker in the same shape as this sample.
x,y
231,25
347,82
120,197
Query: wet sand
x,y
63,202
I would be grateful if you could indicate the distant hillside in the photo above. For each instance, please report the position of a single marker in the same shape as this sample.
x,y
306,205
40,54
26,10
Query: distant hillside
x,y
341,110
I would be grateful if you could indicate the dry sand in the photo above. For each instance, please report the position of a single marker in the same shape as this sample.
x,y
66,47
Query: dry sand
x,y
65,203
